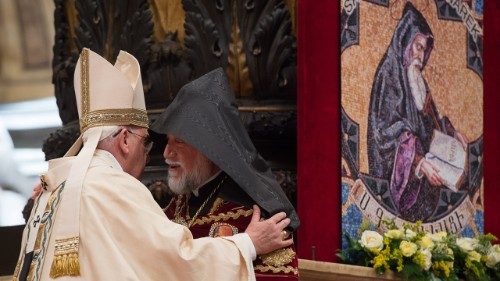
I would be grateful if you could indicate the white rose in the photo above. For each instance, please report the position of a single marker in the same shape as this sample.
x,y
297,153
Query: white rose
x,y
466,244
410,234
394,234
493,256
372,240
428,258
439,236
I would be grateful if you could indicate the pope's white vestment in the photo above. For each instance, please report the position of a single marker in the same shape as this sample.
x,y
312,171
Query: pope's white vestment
x,y
124,234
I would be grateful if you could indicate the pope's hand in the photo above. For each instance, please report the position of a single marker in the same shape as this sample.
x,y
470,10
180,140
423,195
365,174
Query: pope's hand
x,y
37,189
267,235
431,173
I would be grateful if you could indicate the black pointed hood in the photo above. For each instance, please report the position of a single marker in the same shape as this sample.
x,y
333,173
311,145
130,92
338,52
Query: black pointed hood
x,y
205,115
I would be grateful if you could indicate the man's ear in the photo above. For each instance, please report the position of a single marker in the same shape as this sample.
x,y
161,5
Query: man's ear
x,y
123,142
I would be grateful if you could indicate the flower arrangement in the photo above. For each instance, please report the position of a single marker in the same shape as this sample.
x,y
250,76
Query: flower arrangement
x,y
418,255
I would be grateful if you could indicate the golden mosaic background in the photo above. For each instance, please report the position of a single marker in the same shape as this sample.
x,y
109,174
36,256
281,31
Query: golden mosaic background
x,y
457,91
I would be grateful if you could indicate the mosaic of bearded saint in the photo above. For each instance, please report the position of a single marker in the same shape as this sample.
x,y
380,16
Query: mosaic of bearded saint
x,y
403,119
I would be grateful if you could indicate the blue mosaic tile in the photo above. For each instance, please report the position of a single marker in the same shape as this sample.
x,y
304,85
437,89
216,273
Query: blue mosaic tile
x,y
467,232
479,218
345,193
478,7
350,223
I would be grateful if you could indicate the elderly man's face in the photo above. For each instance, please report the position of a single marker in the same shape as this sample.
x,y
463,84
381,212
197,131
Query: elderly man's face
x,y
188,168
418,48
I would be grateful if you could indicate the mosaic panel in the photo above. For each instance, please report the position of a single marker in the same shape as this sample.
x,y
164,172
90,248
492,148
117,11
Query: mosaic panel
x,y
412,114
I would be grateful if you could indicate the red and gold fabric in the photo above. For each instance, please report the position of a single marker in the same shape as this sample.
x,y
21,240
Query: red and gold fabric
x,y
221,217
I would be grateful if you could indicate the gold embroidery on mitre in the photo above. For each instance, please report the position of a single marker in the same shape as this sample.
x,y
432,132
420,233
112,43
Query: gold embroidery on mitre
x,y
276,269
84,87
105,117
279,257
66,262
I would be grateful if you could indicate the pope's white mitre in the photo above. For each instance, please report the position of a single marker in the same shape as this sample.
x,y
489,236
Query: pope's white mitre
x,y
109,94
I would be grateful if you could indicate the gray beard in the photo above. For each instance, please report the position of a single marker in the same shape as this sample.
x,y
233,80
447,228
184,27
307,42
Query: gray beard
x,y
193,179
417,84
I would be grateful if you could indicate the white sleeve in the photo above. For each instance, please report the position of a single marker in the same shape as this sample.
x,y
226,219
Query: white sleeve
x,y
247,249
244,243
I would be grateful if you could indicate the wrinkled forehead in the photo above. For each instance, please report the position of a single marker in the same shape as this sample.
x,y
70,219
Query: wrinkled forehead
x,y
183,146
176,139
421,39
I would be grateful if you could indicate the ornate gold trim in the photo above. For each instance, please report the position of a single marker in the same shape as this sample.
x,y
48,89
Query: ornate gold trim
x,y
217,203
178,209
42,236
18,267
67,245
223,217
84,86
283,269
38,240
279,257
215,227
66,261
31,271
104,117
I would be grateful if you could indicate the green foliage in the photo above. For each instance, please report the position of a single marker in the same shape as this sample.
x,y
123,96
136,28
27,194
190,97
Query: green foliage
x,y
390,224
412,271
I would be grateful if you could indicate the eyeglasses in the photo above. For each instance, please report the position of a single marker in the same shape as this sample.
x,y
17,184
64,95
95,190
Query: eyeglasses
x,y
147,142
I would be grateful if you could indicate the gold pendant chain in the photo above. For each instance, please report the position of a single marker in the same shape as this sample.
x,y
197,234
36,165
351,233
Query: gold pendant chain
x,y
204,203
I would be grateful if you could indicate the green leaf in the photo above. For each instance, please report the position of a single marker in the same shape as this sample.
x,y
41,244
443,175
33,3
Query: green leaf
x,y
412,271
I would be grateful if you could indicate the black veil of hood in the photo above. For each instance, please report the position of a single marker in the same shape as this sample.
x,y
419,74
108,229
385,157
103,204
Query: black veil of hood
x,y
392,109
205,115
